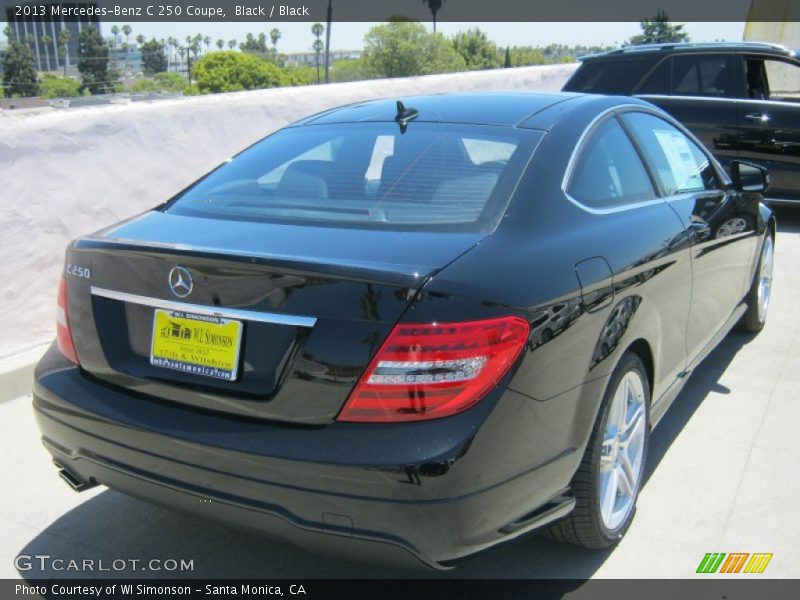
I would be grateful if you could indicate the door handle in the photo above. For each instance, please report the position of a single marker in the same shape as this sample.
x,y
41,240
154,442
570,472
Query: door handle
x,y
760,117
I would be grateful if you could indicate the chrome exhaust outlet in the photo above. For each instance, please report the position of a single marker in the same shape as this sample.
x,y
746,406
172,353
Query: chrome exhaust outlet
x,y
73,481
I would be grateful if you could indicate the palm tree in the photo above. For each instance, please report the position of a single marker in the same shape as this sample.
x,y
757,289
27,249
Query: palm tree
x,y
317,29
140,39
275,35
220,43
46,40
113,55
181,50
172,43
207,41
231,44
434,6
195,45
63,47
126,30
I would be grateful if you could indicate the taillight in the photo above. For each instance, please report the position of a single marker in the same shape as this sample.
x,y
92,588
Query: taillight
x,y
431,371
63,333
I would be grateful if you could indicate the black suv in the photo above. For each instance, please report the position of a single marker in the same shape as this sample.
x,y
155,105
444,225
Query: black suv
x,y
741,99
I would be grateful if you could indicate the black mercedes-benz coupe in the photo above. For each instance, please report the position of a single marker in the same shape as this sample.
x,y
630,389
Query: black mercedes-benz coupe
x,y
409,329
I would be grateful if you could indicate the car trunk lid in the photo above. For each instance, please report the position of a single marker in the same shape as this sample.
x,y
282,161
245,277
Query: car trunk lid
x,y
309,307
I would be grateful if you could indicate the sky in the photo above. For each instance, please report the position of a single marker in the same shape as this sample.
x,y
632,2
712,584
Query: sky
x,y
297,37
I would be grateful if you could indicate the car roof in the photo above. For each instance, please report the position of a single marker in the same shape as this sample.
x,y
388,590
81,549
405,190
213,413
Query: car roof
x,y
761,47
475,108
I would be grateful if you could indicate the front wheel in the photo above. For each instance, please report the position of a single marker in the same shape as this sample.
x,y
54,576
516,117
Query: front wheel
x,y
760,293
607,482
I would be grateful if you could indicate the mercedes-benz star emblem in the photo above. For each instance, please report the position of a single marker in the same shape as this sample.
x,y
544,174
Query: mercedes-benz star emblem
x,y
180,282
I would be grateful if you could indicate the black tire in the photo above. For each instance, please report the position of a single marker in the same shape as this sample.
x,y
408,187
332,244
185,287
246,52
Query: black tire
x,y
585,526
751,321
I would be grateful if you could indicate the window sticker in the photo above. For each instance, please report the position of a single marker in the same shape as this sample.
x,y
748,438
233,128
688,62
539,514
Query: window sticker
x,y
682,162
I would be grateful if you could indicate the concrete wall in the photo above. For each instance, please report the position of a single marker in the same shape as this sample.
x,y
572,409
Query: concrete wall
x,y
64,173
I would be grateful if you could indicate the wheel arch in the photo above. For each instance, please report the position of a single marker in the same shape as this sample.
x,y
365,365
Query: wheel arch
x,y
641,347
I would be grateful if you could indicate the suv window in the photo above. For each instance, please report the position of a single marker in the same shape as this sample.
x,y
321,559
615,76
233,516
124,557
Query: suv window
x,y
612,76
659,81
701,75
680,166
769,79
609,172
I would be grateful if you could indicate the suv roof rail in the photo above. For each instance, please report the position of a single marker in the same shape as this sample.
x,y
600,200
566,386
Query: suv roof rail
x,y
691,45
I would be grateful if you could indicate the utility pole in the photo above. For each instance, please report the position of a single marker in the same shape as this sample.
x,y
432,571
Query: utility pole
x,y
328,43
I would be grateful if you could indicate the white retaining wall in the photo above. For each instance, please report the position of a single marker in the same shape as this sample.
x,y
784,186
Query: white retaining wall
x,y
64,173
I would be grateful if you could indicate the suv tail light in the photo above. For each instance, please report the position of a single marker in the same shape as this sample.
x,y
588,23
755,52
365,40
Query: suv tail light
x,y
431,371
63,333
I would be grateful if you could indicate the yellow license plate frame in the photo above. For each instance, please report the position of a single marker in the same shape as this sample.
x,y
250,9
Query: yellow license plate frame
x,y
198,344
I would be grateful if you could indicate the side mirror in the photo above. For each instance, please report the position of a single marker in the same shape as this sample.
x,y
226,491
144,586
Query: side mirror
x,y
748,177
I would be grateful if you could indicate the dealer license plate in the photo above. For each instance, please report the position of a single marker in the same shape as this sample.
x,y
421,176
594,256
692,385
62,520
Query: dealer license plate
x,y
197,344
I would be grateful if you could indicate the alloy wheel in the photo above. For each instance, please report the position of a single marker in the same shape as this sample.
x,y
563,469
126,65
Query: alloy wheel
x,y
765,279
623,451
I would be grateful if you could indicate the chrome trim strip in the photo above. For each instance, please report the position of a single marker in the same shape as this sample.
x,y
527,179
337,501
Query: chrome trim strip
x,y
787,201
213,311
748,101
614,209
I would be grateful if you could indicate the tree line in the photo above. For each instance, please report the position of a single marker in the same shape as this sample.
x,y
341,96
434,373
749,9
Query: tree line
x,y
397,48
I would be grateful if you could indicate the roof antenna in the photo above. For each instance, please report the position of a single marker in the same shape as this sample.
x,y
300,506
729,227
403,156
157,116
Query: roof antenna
x,y
404,115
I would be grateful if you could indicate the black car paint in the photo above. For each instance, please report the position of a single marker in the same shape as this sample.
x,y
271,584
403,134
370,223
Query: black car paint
x,y
728,125
592,286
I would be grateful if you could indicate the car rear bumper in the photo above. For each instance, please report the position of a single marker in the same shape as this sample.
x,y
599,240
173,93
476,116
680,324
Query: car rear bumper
x,y
441,496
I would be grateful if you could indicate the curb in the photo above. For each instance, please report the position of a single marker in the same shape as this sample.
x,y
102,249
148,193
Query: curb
x,y
16,373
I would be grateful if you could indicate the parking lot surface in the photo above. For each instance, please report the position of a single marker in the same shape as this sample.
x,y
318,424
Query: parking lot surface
x,y
722,476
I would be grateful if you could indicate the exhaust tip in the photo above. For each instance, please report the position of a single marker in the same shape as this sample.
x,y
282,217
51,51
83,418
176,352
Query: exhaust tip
x,y
73,481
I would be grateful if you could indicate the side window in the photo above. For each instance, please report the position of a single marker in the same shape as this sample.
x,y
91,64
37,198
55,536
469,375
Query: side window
x,y
609,172
618,75
680,166
659,81
701,75
783,80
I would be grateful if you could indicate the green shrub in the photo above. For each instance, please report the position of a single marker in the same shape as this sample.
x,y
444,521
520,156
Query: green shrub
x,y
349,70
170,82
233,71
145,85
59,87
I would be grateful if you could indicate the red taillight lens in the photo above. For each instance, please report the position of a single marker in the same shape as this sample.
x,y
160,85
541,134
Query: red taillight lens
x,y
431,371
63,333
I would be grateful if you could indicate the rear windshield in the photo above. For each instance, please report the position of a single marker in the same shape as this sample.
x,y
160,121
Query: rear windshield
x,y
433,176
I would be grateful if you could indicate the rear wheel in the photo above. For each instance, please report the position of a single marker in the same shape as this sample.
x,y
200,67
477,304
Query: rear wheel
x,y
607,482
760,292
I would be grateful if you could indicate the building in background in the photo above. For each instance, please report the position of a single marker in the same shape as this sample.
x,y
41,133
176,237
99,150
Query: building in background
x,y
309,59
126,59
43,33
776,21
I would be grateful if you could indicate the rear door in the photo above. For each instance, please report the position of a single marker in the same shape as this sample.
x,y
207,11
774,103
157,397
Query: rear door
x,y
769,121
